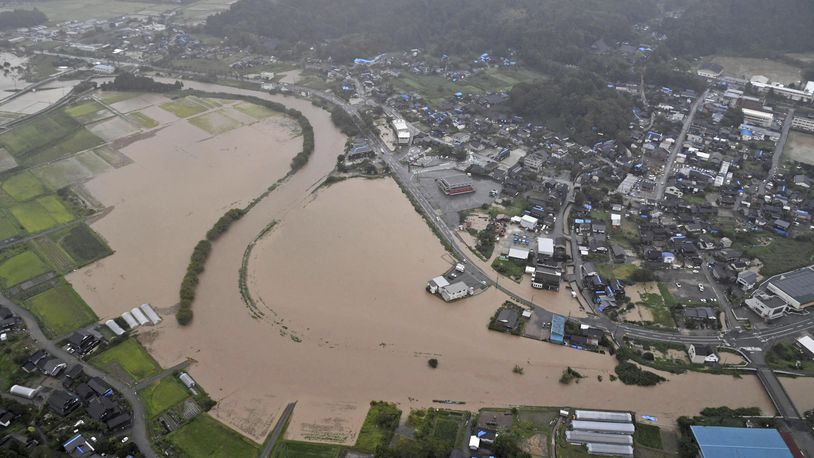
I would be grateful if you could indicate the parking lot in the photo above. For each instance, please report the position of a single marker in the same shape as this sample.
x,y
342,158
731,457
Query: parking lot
x,y
449,206
689,290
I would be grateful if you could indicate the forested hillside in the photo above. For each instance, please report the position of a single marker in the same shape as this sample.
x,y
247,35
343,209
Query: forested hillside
x,y
21,18
742,26
540,30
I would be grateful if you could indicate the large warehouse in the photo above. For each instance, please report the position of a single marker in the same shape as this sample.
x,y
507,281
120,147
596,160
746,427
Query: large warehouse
x,y
795,287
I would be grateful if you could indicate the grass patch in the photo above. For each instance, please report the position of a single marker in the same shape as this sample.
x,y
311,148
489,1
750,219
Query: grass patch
x,y
296,449
47,137
183,107
204,436
8,226
509,267
79,140
647,436
109,98
41,214
782,254
87,111
21,267
83,245
620,271
142,120
53,254
57,175
10,371
23,186
658,307
60,310
160,396
380,423
131,357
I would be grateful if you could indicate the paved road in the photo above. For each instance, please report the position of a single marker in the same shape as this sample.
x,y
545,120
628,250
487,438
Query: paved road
x,y
278,430
778,152
139,427
677,147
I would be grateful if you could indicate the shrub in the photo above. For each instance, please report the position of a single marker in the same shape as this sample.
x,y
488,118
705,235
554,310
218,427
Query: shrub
x,y
517,369
184,316
631,374
568,375
433,363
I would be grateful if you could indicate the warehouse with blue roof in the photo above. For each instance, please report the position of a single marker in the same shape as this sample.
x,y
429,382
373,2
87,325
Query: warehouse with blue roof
x,y
726,442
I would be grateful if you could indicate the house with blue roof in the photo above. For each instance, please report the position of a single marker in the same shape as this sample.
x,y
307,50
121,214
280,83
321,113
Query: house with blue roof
x,y
557,330
726,442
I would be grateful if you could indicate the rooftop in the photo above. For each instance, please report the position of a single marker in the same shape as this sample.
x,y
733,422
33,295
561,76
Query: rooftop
x,y
723,442
799,284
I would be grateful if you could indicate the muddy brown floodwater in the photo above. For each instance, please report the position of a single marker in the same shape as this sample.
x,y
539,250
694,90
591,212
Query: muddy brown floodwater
x,y
342,316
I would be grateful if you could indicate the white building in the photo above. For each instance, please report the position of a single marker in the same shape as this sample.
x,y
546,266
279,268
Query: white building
x,y
455,291
437,283
187,380
139,316
528,222
402,132
519,254
24,391
148,310
545,246
710,70
131,322
767,306
796,288
803,123
808,343
113,326
702,354
104,68
757,117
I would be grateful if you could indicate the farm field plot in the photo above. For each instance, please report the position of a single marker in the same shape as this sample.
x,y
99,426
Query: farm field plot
x,y
184,107
113,128
206,437
60,310
53,254
57,175
7,161
109,98
21,267
255,111
82,244
296,449
80,140
129,357
8,226
59,10
215,122
373,432
112,156
37,133
88,111
142,120
95,164
41,214
162,395
746,67
23,186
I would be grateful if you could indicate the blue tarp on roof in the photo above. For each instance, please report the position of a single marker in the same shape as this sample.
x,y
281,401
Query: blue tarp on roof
x,y
723,442
557,329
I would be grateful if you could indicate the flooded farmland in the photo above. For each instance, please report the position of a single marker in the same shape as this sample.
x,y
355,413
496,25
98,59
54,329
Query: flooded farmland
x,y
341,313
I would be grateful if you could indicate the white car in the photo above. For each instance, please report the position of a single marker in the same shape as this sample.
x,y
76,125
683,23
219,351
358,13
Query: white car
x,y
678,285
700,287
125,439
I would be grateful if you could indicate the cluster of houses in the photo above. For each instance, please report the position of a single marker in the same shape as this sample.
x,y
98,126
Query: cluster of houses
x,y
9,323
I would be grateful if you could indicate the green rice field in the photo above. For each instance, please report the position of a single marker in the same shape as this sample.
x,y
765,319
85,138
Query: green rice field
x,y
21,267
184,107
23,186
206,437
41,214
130,358
162,395
82,244
60,310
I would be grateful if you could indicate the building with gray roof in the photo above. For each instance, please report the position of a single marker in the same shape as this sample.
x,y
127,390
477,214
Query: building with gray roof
x,y
795,287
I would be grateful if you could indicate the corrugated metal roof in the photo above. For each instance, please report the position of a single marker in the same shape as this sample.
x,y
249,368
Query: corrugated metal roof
x,y
724,442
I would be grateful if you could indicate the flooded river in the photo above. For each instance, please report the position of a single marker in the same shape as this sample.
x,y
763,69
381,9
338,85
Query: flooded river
x,y
342,317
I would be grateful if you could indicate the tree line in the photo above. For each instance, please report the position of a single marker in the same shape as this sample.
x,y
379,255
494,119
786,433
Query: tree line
x,y
129,82
21,18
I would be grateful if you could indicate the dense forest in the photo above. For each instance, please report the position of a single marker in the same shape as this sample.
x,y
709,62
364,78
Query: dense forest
x,y
752,27
540,30
580,101
21,18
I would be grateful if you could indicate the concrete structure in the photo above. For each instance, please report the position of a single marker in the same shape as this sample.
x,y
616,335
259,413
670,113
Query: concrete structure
x,y
585,437
519,254
456,185
783,91
600,415
545,246
807,343
187,380
402,132
610,450
24,391
602,427
702,354
803,122
131,322
104,69
455,291
139,316
795,287
724,442
150,313
767,306
113,326
437,283
757,117
528,222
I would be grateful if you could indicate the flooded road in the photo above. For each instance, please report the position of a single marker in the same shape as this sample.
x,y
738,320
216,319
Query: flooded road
x,y
339,282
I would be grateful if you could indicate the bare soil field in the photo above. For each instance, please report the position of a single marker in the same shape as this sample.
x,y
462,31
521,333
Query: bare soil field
x,y
799,147
747,67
